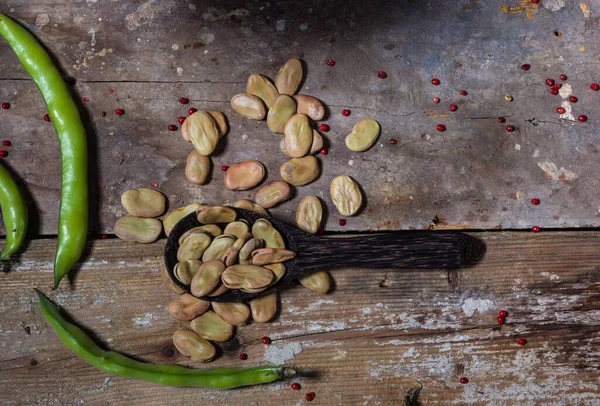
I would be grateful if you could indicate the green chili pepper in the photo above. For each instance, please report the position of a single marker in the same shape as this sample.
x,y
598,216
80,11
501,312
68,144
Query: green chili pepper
x,y
14,214
73,215
117,364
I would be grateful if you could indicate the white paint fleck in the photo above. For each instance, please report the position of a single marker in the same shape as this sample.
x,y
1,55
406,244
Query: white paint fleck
x,y
553,277
42,20
175,47
92,33
568,114
367,310
303,27
279,355
471,305
518,147
351,162
553,5
553,172
179,71
340,354
536,153
205,51
565,91
101,299
144,320
244,137
146,13
280,25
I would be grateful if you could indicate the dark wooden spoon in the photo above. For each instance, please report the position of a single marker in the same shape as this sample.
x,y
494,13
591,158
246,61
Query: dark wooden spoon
x,y
397,250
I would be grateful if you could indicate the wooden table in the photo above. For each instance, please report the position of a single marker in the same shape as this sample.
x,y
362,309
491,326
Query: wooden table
x,y
378,331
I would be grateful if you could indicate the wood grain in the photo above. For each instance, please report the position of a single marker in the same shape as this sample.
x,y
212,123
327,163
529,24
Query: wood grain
x,y
143,56
364,343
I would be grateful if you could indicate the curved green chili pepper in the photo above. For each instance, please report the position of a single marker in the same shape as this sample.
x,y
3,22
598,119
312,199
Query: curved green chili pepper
x,y
73,215
117,364
14,214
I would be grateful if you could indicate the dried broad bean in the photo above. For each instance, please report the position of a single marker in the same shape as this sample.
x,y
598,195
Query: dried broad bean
x,y
212,230
284,107
317,282
187,307
311,106
215,214
235,313
300,171
278,270
263,229
245,255
297,136
265,256
202,131
237,228
264,308
184,271
282,147
219,290
249,106
244,175
220,121
212,327
192,345
218,247
248,205
260,86
317,144
363,135
197,168
289,77
346,195
309,214
165,276
230,257
174,216
272,194
247,277
193,246
138,229
143,202
207,278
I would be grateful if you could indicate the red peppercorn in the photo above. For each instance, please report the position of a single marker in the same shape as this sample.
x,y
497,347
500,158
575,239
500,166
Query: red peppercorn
x,y
463,92
535,229
184,100
243,356
562,76
535,201
464,380
345,112
330,62
191,111
3,154
104,236
172,127
342,222
441,127
521,341
502,313
266,340
111,91
453,107
323,151
46,117
560,110
5,106
594,86
535,1
6,143
381,74
296,386
310,396
500,320
154,185
501,119
85,99
180,120
557,86
436,99
435,81
224,168
119,112
573,99
553,91
582,118
324,127
525,66
550,82
510,128
393,141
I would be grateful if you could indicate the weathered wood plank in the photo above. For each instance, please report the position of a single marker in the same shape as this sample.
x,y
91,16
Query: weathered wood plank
x,y
363,343
475,174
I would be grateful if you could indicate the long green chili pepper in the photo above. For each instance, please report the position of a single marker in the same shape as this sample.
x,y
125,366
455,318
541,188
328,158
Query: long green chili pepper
x,y
14,214
117,364
73,215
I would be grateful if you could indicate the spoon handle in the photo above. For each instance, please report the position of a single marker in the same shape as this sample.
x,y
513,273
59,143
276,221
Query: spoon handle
x,y
401,249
